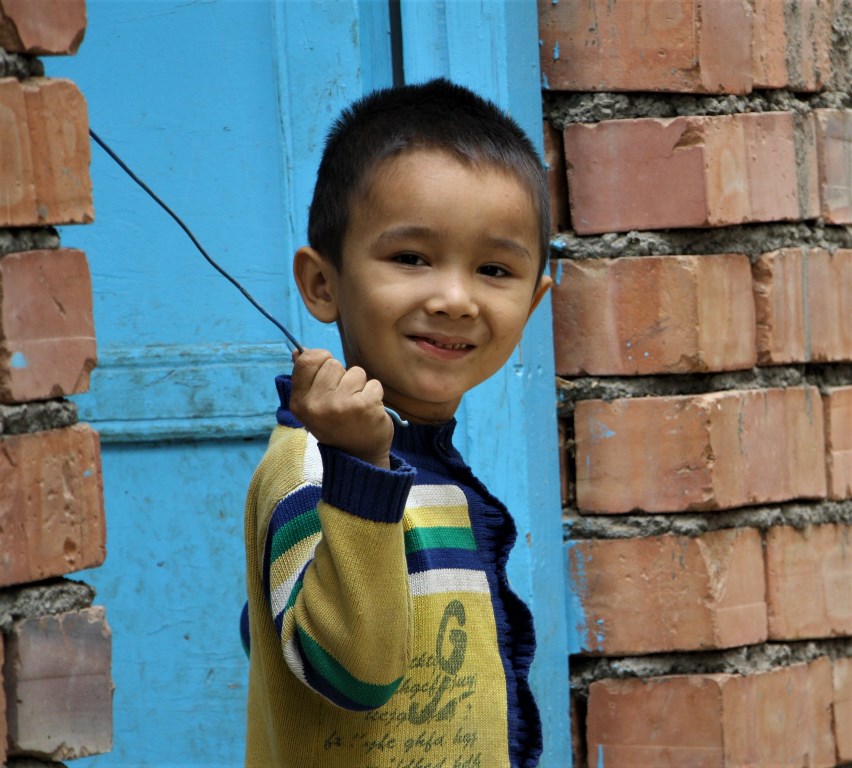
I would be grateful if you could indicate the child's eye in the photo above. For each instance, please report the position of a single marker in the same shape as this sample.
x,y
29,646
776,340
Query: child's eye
x,y
411,259
493,270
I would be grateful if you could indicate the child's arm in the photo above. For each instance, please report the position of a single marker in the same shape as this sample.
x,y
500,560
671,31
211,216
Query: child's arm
x,y
334,556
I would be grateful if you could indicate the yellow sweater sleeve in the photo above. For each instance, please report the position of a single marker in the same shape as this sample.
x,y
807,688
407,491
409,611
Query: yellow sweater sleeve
x,y
332,557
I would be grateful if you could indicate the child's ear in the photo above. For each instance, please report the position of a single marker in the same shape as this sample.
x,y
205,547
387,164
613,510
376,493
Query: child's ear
x,y
544,283
316,277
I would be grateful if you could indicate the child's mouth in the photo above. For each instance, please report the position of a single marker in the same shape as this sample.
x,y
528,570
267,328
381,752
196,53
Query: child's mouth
x,y
443,345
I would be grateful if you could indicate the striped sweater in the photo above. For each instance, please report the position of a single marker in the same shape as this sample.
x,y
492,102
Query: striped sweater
x,y
381,627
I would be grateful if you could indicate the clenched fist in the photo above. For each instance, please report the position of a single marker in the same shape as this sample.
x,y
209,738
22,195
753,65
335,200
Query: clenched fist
x,y
341,408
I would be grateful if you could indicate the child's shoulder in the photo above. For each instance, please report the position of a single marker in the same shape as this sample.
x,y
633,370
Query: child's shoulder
x,y
292,460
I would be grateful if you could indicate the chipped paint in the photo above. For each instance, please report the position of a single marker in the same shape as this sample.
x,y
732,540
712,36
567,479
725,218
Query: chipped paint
x,y
599,431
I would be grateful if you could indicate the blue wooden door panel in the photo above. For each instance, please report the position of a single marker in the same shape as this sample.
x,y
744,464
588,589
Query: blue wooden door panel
x,y
173,587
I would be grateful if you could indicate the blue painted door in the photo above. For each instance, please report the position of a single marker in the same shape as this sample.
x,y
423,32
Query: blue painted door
x,y
222,107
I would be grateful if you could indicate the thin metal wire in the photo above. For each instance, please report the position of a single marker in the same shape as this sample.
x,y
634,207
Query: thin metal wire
x,y
292,339
153,195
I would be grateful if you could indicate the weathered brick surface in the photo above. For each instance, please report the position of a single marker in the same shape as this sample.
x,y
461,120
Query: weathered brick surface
x,y
3,728
803,302
646,45
669,593
554,158
47,335
58,684
42,26
791,44
51,504
690,172
564,484
653,314
834,138
809,581
837,406
44,169
701,452
776,718
842,708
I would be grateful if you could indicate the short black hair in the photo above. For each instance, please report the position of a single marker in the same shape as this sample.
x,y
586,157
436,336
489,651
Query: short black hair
x,y
435,115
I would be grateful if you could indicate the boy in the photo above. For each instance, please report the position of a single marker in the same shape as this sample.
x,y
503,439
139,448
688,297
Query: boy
x,y
383,631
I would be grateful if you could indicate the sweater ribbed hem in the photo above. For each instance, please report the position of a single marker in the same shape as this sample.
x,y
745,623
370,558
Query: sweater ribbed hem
x,y
365,490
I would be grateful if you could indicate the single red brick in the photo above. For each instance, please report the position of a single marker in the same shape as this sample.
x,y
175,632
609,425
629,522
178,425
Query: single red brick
x,y
646,45
699,452
809,581
780,717
47,335
42,26
833,139
792,44
661,722
671,593
655,173
653,314
51,504
801,297
44,166
59,685
577,729
554,159
837,406
842,708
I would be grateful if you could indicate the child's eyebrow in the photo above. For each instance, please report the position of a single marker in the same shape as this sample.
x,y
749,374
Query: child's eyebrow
x,y
408,231
507,244
415,232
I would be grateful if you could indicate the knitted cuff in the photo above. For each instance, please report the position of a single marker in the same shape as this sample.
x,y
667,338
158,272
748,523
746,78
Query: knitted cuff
x,y
363,489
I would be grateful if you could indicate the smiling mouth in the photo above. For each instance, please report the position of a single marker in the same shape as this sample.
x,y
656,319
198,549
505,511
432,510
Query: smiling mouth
x,y
455,347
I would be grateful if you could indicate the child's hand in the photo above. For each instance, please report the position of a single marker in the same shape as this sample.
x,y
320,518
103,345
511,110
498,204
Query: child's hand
x,y
341,408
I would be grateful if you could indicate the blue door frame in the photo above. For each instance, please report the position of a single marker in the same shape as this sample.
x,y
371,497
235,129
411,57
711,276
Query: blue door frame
x,y
222,107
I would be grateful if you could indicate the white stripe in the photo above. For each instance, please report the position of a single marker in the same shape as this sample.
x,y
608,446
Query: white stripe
x,y
294,661
447,580
312,462
436,496
281,594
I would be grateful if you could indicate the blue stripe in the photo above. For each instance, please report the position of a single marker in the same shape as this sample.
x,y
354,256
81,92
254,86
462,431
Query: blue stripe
x,y
245,636
286,510
431,559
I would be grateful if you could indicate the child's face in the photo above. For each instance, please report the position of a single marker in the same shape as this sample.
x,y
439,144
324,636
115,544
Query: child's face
x,y
439,275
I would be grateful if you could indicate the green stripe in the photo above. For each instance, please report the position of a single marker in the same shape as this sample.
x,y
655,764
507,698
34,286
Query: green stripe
x,y
366,694
292,533
439,537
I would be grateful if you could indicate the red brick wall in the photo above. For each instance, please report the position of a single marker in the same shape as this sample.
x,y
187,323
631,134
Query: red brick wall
x,y
702,193
55,650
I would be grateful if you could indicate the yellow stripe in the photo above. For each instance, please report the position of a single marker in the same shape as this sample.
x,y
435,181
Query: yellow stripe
x,y
430,517
293,561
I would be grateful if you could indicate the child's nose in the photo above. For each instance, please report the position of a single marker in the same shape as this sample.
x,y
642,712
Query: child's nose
x,y
453,295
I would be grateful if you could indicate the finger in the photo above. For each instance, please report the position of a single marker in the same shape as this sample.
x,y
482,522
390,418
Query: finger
x,y
353,380
373,390
328,376
305,369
